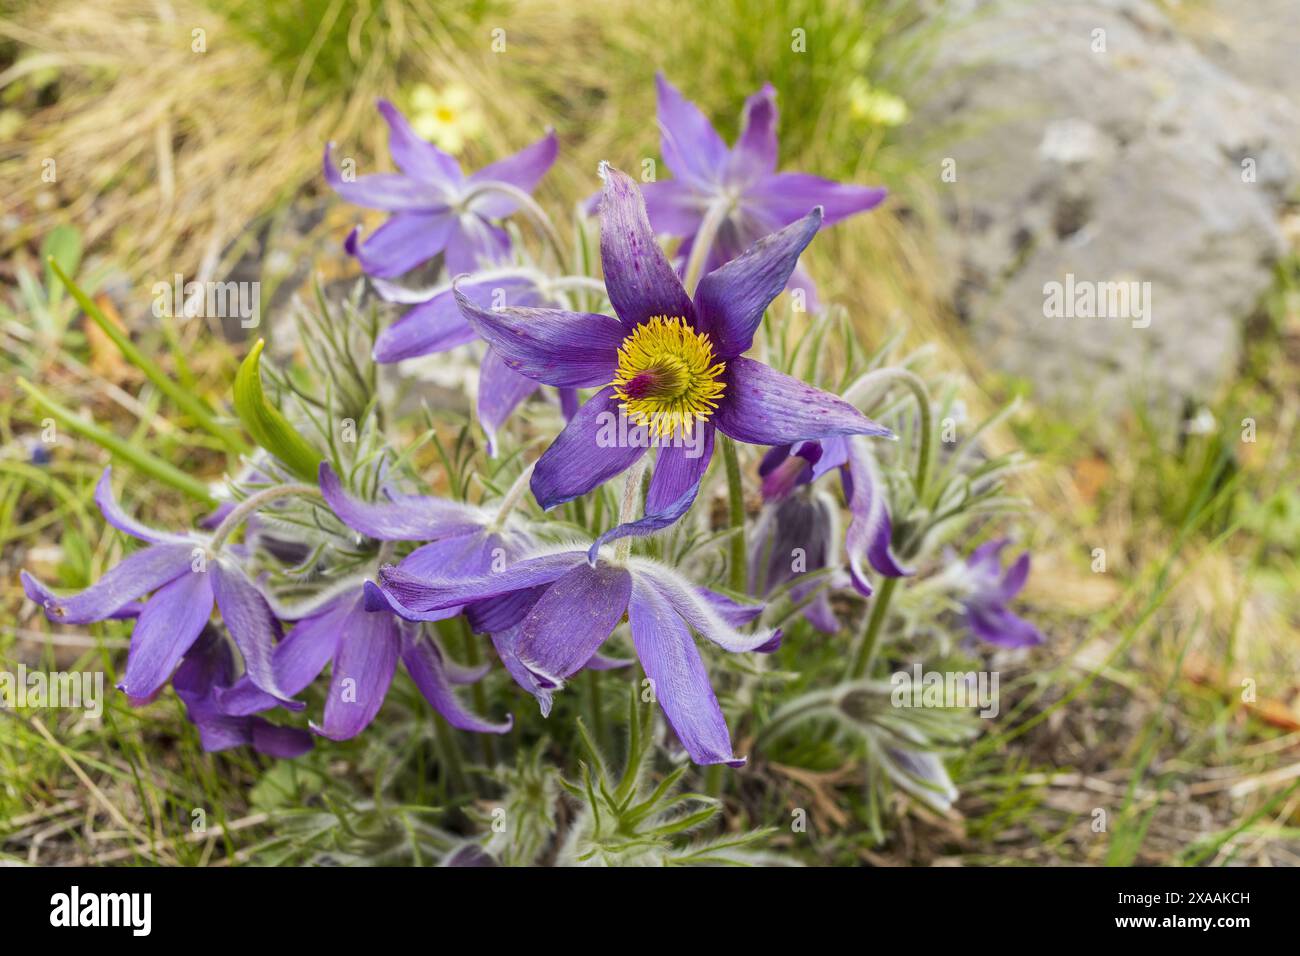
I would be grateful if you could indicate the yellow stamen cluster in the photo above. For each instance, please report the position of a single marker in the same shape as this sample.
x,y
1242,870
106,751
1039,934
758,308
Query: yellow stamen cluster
x,y
666,376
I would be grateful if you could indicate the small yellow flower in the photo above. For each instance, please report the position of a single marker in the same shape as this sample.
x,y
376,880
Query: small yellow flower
x,y
447,118
876,106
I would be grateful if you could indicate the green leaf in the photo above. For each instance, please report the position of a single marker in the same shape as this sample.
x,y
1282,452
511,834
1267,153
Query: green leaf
x,y
267,425
186,399
62,245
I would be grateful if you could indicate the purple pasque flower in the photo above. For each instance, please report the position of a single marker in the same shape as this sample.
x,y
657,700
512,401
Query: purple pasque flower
x,y
986,591
363,644
362,640
436,324
740,183
572,607
435,207
184,578
464,542
868,538
206,673
794,536
671,366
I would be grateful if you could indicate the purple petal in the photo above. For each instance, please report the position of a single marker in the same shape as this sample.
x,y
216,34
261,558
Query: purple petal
x,y
673,487
405,518
638,278
503,613
135,575
284,743
755,152
427,668
524,170
363,669
414,156
572,619
702,613
999,626
433,326
167,628
731,300
784,197
870,529
389,191
586,454
250,622
475,244
672,207
506,643
311,644
500,390
599,662
678,678
421,594
730,610
692,148
1014,579
405,241
578,349
765,407
119,519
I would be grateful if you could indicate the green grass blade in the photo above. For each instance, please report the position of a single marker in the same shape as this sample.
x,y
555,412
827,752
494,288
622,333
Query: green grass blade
x,y
142,460
186,399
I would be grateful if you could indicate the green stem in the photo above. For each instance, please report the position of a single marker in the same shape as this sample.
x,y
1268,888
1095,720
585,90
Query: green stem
x,y
142,460
185,398
477,693
859,389
597,710
713,219
631,499
736,514
534,211
246,507
450,751
866,651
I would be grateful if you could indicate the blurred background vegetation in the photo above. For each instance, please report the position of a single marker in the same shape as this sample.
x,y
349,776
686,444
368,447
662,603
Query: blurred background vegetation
x,y
187,138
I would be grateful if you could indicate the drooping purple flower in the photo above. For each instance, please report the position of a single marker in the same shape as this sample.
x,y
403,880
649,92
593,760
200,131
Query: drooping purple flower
x,y
870,530
436,324
986,591
579,606
183,579
363,645
463,542
206,673
795,536
435,207
741,182
671,366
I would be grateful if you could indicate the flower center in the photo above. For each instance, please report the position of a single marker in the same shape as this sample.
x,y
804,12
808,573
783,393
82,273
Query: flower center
x,y
666,376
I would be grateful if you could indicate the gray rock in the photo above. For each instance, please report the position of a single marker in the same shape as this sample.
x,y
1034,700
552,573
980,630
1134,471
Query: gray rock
x,y
1102,146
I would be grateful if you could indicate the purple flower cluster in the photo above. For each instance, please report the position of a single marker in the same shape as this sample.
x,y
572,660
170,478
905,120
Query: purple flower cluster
x,y
668,367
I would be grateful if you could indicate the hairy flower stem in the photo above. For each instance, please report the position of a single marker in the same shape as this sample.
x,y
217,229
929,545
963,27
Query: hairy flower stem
x,y
450,750
477,693
513,495
861,389
736,515
703,244
866,651
251,504
627,510
535,212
